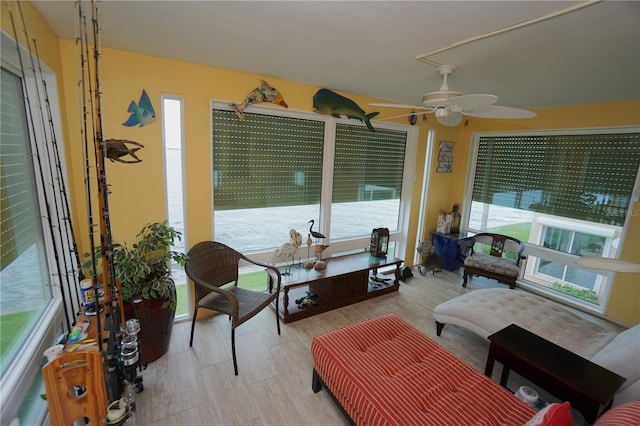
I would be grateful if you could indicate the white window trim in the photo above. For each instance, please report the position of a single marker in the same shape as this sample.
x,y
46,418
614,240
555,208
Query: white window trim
x,y
409,176
21,373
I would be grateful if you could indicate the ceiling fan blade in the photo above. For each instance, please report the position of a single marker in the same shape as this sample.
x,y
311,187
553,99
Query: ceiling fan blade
x,y
471,102
398,106
452,119
496,111
403,115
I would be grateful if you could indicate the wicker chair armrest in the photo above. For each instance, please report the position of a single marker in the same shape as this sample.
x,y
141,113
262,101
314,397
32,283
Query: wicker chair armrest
x,y
220,291
264,265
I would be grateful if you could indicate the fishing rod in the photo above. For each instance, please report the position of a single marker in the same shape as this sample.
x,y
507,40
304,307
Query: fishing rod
x,y
61,180
103,187
36,154
65,260
86,74
114,380
82,25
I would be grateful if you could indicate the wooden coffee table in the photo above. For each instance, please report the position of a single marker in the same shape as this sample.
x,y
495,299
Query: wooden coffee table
x,y
345,280
587,386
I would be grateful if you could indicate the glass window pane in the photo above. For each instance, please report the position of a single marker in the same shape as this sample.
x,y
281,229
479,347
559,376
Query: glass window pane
x,y
267,177
367,180
557,239
172,132
588,177
23,273
568,193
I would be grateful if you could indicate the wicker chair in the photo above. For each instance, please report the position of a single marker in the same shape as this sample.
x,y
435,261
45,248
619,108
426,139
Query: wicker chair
x,y
496,264
211,265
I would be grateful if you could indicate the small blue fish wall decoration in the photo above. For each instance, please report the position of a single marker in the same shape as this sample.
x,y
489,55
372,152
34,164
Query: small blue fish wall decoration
x,y
327,102
142,113
263,93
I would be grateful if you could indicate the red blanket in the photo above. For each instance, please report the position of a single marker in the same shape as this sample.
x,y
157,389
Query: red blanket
x,y
385,372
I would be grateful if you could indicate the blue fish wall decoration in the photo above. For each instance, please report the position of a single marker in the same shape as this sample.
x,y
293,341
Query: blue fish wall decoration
x,y
327,102
142,113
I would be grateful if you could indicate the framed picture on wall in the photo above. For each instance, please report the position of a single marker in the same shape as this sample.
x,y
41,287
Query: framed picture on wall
x,y
445,157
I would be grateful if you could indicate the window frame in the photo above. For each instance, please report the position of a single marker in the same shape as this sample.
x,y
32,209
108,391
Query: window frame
x,y
348,244
605,277
25,369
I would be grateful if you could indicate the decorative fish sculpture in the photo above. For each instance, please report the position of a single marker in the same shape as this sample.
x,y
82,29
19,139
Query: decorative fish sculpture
x,y
327,102
264,93
117,148
142,113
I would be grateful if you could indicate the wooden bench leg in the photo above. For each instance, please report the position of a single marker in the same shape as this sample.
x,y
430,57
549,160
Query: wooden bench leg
x,y
316,383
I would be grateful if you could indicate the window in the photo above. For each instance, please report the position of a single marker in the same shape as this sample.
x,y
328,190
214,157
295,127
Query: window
x,y
173,167
22,286
420,234
33,280
567,194
367,179
276,171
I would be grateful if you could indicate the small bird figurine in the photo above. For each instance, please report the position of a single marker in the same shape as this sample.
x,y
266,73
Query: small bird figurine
x,y
319,249
309,242
288,250
315,234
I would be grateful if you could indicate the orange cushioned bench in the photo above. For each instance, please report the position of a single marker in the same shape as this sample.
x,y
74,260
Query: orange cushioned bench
x,y
385,372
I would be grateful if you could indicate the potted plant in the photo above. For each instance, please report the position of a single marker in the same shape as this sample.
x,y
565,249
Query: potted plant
x,y
148,292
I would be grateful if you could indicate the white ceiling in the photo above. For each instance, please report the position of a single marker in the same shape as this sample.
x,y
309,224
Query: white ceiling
x,y
370,48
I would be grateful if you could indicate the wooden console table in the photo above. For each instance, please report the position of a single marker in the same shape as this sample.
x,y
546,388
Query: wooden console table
x,y
344,281
562,373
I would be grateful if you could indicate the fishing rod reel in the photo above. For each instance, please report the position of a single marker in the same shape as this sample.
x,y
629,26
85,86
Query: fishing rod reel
x,y
129,362
130,353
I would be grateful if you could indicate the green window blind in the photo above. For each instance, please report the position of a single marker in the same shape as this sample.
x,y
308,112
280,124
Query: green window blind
x,y
19,227
266,160
367,165
588,177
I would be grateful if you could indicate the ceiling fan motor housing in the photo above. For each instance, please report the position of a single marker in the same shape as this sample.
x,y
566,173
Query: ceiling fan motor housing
x,y
442,112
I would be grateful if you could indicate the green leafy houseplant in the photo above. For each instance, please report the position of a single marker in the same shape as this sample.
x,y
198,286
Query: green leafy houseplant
x,y
144,268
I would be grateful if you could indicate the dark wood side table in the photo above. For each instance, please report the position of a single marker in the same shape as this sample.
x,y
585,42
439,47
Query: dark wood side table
x,y
345,280
587,386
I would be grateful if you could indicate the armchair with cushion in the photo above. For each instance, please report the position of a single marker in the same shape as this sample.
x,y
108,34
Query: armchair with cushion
x,y
501,263
213,265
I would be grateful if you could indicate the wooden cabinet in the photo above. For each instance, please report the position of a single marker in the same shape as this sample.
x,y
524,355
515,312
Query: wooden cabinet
x,y
345,280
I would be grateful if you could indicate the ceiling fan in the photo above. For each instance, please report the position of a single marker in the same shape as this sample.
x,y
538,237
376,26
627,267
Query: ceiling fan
x,y
449,106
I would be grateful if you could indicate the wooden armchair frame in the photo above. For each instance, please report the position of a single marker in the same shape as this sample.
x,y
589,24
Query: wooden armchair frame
x,y
498,246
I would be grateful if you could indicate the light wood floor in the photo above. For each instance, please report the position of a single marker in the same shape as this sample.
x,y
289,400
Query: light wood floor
x,y
197,386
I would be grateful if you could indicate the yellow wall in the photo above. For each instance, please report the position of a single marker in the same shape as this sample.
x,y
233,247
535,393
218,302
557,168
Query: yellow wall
x,y
46,42
137,191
